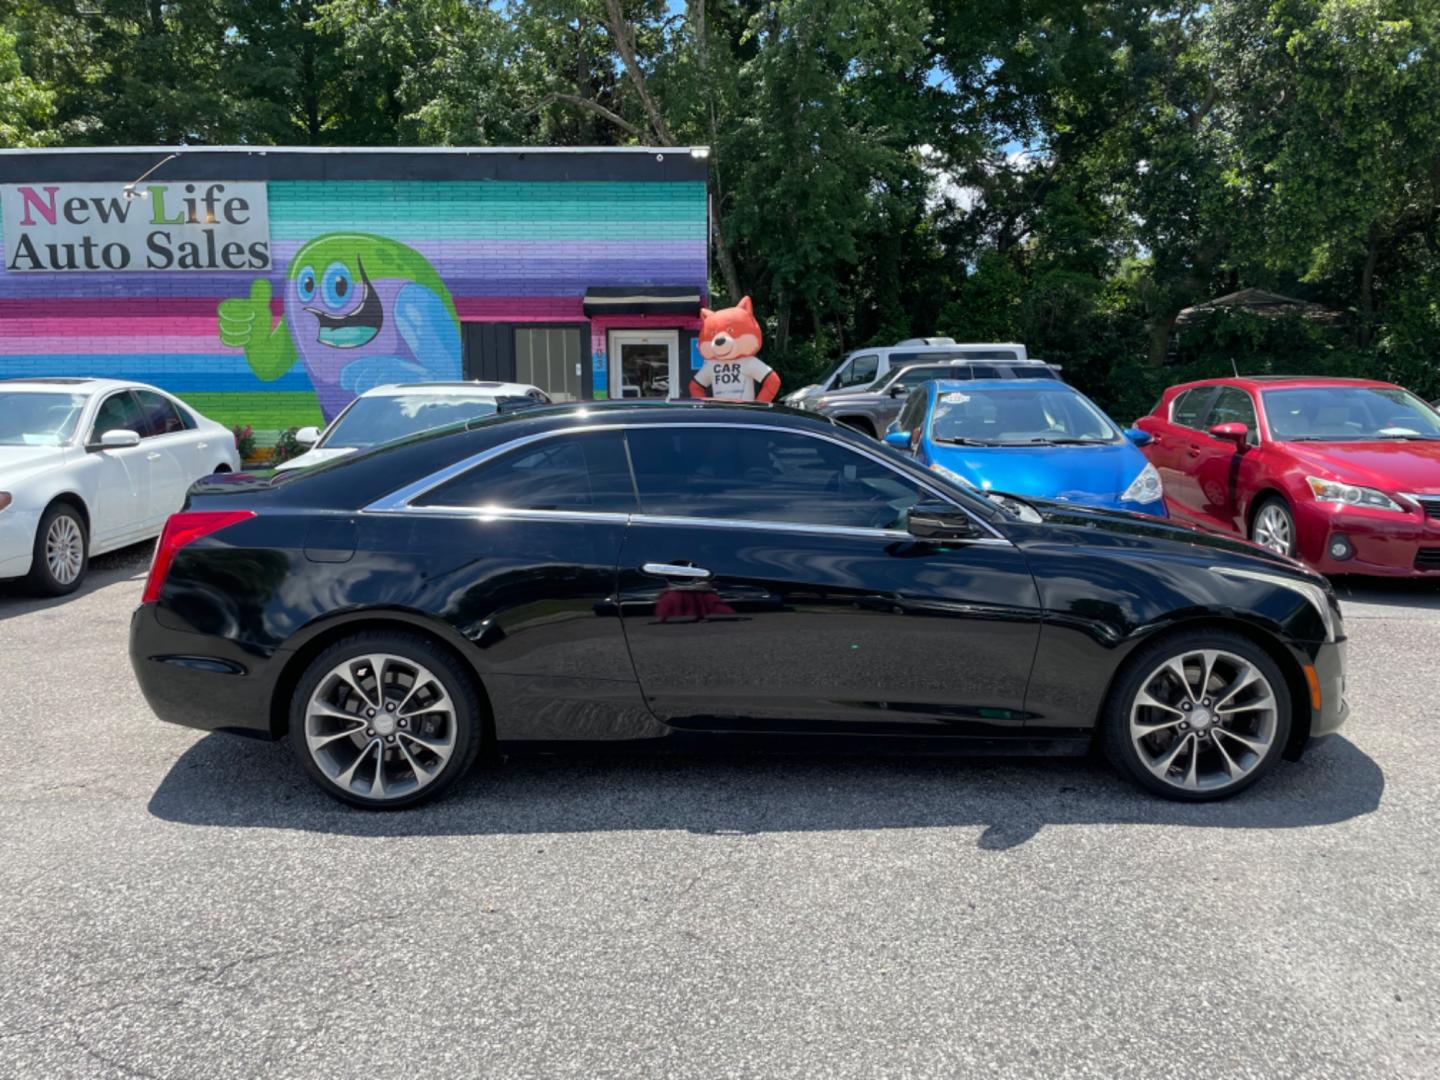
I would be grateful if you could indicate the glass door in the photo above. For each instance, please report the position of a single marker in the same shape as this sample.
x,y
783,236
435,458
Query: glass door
x,y
645,363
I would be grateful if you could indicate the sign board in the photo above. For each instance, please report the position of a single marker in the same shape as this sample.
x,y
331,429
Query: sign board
x,y
175,226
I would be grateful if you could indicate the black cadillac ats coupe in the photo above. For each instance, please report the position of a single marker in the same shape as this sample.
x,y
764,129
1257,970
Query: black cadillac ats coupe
x,y
667,574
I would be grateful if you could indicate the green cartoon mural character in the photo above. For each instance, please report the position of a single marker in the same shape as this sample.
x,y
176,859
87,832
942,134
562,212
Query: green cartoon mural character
x,y
359,311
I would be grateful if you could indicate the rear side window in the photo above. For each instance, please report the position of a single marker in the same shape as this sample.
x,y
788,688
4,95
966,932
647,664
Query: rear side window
x,y
913,414
1188,408
581,473
161,416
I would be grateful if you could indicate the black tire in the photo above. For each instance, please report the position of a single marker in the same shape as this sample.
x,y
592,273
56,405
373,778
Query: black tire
x,y
467,715
1273,505
1115,736
42,579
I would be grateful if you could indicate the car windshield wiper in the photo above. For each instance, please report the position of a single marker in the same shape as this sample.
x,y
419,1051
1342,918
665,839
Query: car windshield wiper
x,y
1416,435
1061,441
965,442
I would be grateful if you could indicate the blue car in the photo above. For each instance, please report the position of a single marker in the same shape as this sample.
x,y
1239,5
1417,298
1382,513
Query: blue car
x,y
1037,437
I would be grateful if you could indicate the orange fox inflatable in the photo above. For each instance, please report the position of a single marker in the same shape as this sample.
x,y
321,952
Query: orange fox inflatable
x,y
729,340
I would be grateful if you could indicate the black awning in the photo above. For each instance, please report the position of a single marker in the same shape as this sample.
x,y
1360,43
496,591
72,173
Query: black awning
x,y
642,300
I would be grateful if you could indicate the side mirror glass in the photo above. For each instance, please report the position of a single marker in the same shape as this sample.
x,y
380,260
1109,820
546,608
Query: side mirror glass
x,y
117,439
1236,433
307,436
940,521
898,439
1138,437
897,391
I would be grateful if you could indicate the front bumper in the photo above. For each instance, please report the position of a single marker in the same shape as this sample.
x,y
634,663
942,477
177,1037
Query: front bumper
x,y
1381,542
1329,665
17,541
201,681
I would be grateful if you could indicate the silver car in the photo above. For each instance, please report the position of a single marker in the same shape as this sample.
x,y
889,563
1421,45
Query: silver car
x,y
873,408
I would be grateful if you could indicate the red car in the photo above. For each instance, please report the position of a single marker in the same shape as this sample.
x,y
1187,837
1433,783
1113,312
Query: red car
x,y
1343,474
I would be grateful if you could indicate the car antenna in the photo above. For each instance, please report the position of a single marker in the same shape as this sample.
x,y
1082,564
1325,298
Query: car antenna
x,y
1234,367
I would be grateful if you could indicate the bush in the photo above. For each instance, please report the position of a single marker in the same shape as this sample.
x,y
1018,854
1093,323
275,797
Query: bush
x,y
286,447
244,441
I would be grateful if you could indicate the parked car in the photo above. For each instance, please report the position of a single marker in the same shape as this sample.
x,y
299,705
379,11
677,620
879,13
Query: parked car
x,y
1343,474
680,574
89,465
863,367
871,409
1038,438
394,411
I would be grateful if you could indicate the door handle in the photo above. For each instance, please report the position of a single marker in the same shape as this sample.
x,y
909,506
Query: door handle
x,y
660,569
154,455
202,446
1194,450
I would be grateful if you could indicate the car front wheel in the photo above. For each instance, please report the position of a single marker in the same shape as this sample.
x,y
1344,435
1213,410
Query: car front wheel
x,y
385,721
1274,527
1199,715
61,553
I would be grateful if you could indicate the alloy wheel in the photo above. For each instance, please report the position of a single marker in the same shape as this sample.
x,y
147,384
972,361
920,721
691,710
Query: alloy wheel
x,y
64,549
1203,720
1273,529
380,726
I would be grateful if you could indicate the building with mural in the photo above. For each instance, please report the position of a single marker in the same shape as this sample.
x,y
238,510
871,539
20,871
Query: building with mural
x,y
268,286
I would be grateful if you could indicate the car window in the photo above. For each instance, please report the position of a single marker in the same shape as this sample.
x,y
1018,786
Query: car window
x,y
161,417
30,419
1019,416
570,472
118,412
858,372
986,371
916,375
1187,409
749,474
1348,413
1032,371
913,414
1233,406
370,421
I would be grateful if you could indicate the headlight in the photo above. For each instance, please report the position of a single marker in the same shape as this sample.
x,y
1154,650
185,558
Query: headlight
x,y
1312,592
1145,488
1333,491
4,499
953,477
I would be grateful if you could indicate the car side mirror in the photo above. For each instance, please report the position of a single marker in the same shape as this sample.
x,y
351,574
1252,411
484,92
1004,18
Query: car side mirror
x,y
116,439
1239,434
307,436
897,391
1138,436
898,439
940,521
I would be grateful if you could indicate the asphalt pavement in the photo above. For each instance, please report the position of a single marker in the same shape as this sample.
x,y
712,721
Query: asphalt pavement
x,y
174,904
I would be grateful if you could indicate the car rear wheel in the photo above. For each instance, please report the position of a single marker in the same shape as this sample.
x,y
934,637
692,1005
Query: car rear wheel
x,y
1197,716
61,554
385,721
1274,527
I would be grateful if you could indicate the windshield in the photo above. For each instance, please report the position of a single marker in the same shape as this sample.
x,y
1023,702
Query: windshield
x,y
1348,414
374,420
29,419
1019,417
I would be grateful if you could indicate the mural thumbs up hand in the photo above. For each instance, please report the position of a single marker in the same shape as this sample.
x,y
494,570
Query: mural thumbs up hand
x,y
244,318
245,324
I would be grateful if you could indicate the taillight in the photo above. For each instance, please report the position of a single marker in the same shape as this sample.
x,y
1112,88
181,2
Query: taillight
x,y
185,528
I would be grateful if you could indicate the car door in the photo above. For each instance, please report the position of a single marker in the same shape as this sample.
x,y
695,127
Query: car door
x,y
171,452
768,585
1174,449
1216,463
122,509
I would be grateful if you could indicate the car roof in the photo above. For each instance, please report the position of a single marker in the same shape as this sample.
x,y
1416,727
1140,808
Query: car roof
x,y
1287,382
945,386
475,389
75,383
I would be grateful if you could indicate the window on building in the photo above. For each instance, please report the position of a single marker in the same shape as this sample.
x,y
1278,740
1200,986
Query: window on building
x,y
550,358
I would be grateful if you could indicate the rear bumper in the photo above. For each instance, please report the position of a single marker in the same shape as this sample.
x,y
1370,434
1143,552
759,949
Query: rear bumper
x,y
200,681
1382,543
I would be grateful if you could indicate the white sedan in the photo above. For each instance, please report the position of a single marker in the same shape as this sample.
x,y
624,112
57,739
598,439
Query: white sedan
x,y
89,465
392,412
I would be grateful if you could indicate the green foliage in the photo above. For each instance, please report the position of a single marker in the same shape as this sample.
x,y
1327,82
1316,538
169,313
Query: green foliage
x,y
244,441
1059,172
287,446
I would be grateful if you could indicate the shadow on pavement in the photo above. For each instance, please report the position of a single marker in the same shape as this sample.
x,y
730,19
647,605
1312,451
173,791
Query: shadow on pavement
x,y
230,782
114,566
1410,593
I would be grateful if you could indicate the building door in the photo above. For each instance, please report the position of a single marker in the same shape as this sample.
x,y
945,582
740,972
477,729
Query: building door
x,y
645,363
550,358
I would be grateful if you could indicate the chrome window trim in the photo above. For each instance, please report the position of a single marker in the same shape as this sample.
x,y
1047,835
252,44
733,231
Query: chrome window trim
x,y
400,500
